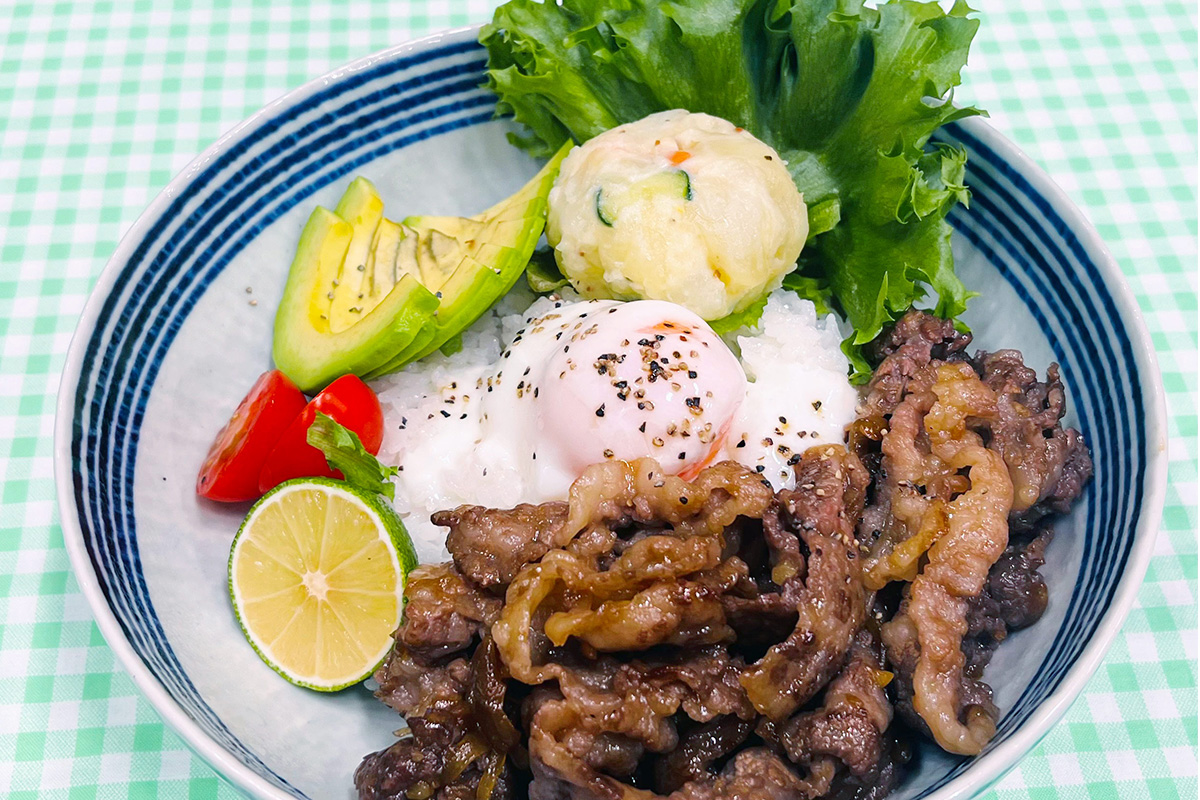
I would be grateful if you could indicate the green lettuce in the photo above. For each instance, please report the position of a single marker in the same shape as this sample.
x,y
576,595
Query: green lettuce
x,y
848,94
746,318
543,273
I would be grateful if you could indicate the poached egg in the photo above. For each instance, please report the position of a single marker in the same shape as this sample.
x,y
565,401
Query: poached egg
x,y
603,380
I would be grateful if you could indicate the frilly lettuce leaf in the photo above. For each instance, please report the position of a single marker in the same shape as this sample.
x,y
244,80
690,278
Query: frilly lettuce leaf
x,y
815,290
810,288
848,94
542,272
746,318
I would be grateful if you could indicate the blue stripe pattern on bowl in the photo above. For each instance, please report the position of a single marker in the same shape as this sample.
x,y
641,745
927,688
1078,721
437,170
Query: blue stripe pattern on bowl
x,y
283,159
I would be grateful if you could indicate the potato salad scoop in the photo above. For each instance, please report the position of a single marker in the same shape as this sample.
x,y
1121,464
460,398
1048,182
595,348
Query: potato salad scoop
x,y
680,207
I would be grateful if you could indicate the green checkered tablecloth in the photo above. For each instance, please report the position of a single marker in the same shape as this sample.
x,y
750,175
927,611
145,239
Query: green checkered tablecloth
x,y
101,103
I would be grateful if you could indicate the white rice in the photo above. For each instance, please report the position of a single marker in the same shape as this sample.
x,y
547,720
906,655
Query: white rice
x,y
432,410
798,395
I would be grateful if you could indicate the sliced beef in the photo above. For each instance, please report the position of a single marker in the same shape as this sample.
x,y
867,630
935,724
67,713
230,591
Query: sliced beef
x,y
912,343
713,639
489,546
445,613
1049,464
829,596
964,450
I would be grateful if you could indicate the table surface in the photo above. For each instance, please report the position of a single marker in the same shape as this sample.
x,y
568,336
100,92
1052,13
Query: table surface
x,y
102,103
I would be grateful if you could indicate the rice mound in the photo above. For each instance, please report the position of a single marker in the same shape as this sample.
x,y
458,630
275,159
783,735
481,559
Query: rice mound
x,y
433,427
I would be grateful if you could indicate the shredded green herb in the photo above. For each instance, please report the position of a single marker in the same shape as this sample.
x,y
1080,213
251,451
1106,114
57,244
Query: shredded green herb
x,y
345,453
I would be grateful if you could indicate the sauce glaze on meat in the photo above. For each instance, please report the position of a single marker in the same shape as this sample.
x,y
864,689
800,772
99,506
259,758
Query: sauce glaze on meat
x,y
713,639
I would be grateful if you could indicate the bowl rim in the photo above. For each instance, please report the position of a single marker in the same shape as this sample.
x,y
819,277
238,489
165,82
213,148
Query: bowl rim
x,y
986,769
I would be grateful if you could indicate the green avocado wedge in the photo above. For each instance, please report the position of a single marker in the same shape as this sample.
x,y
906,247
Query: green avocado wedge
x,y
366,295
493,249
317,337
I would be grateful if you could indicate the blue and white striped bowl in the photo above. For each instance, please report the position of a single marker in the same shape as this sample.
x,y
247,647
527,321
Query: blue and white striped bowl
x,y
170,340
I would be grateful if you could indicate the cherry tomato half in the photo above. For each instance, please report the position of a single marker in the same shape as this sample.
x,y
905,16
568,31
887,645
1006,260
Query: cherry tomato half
x,y
236,457
350,402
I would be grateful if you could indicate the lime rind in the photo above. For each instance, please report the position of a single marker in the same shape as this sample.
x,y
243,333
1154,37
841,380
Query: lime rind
x,y
403,554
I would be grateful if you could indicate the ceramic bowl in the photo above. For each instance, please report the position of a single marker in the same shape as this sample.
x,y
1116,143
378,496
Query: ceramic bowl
x,y
171,339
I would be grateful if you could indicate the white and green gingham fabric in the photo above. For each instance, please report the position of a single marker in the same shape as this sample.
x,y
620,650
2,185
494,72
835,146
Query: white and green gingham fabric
x,y
101,103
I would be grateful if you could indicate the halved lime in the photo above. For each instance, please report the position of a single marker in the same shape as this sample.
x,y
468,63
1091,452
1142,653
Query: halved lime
x,y
316,575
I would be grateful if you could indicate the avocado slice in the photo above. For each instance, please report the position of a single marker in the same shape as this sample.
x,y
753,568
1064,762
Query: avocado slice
x,y
489,253
362,207
367,295
437,259
381,262
462,228
406,254
318,337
